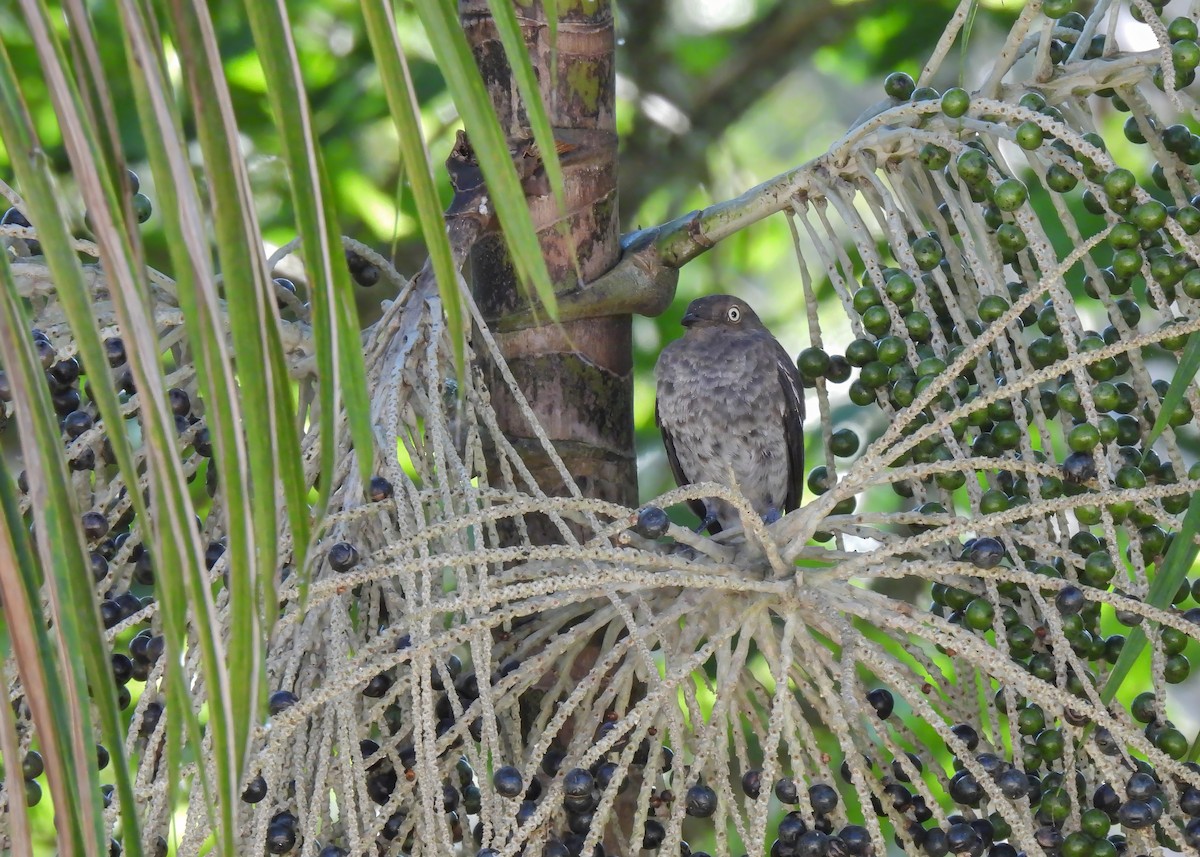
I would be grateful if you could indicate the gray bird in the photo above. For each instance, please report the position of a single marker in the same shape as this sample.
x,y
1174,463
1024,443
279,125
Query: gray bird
x,y
730,403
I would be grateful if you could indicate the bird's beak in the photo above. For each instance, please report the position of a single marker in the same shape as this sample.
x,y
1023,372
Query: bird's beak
x,y
689,318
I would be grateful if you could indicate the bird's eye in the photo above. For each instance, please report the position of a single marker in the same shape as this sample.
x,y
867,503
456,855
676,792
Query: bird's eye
x,y
734,314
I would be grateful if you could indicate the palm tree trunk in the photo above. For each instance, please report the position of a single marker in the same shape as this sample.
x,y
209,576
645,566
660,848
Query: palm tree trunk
x,y
576,375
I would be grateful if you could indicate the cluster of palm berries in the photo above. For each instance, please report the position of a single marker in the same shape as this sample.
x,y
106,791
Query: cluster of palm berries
x,y
1142,267
1038,784
898,361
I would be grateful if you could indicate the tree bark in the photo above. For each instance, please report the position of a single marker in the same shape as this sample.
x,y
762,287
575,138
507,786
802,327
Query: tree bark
x,y
576,375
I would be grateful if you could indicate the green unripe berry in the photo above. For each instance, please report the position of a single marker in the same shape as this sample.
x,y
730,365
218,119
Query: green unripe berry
x,y
1033,101
933,156
844,443
1029,136
955,102
142,207
927,252
1149,216
899,85
1060,180
1083,438
1182,28
1057,8
972,166
1119,183
1010,195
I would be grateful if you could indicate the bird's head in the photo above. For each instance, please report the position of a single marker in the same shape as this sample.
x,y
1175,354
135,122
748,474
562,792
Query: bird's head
x,y
720,311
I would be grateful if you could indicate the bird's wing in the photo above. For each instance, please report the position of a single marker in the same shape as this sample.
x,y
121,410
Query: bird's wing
x,y
681,478
793,424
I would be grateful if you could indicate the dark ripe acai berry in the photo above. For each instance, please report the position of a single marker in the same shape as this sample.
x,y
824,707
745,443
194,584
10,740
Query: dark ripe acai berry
x,y
1141,786
202,443
281,700
1191,833
1136,814
1079,467
582,805
961,837
786,791
33,793
110,612
856,838
668,758
752,783
65,372
95,526
114,351
965,790
1189,801
378,686
213,553
1013,783
102,757
1070,600
32,766
381,782
555,848
255,790
701,801
814,843
900,797
129,603
935,844
578,782
985,552
122,668
283,284
181,402
143,570
76,423
898,770
281,838
14,217
653,834
553,758
526,811
967,735
154,648
1106,799
379,489
45,352
990,762
332,851
138,646
343,556
366,274
453,667
605,774
150,718
823,797
882,701
99,566
507,781
652,523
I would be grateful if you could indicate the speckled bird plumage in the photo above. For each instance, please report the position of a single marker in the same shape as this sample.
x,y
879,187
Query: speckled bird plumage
x,y
731,407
